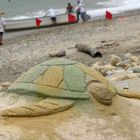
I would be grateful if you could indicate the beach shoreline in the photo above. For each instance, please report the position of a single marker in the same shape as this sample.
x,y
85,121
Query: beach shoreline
x,y
12,33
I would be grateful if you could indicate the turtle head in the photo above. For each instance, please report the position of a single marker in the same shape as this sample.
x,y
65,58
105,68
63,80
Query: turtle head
x,y
100,92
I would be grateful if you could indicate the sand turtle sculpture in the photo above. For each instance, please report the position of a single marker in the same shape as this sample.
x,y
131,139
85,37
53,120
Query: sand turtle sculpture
x,y
59,83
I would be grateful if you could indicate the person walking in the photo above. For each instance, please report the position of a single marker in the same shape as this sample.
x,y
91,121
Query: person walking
x,y
2,29
52,15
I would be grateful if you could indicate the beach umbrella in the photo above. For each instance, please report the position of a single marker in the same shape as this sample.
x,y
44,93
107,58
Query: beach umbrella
x,y
2,13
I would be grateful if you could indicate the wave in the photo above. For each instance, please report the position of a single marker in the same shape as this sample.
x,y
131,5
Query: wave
x,y
36,14
113,6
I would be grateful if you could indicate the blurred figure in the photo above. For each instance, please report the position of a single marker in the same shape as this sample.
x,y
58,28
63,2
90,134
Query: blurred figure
x,y
82,12
69,9
77,10
2,28
52,14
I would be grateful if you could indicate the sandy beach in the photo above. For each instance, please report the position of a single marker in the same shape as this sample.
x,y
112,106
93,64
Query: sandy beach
x,y
24,49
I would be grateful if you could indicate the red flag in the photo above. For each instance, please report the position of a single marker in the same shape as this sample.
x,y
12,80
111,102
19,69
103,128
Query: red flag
x,y
71,18
38,22
108,15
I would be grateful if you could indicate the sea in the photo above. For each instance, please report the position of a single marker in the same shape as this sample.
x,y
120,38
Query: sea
x,y
23,9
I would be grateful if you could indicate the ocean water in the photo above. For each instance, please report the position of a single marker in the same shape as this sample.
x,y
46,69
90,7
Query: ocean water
x,y
21,9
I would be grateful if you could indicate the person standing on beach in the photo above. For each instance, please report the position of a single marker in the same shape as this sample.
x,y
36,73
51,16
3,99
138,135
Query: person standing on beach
x,y
83,12
2,28
52,15
69,9
77,10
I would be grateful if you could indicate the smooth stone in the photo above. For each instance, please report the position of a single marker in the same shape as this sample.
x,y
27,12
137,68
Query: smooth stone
x,y
58,53
127,55
5,84
114,59
1,87
121,64
134,59
135,69
126,76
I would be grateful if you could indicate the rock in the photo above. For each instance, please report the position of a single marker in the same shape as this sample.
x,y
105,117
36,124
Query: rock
x,y
121,64
128,55
134,59
108,67
135,69
5,84
103,69
125,77
104,72
109,73
113,59
109,43
97,66
118,71
58,53
88,50
137,51
1,87
128,66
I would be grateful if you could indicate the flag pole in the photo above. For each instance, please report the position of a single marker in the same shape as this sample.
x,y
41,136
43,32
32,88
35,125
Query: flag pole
x,y
108,16
105,22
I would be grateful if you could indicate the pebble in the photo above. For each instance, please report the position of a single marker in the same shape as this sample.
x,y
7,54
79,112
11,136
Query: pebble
x,y
114,59
135,69
5,84
121,64
134,59
58,53
125,77
127,55
1,87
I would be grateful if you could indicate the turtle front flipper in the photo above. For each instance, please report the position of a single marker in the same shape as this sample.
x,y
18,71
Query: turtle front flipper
x,y
100,92
44,107
129,94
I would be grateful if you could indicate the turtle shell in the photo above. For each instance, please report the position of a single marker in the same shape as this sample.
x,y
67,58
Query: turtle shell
x,y
59,79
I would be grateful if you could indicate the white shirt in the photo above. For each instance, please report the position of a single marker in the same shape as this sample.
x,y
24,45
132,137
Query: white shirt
x,y
2,24
51,13
82,9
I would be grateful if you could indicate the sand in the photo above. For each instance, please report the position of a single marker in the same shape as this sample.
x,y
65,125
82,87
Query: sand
x,y
87,119
23,50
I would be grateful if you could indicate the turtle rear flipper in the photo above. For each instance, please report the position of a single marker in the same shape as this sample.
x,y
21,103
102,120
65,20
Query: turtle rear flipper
x,y
45,107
